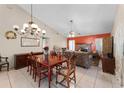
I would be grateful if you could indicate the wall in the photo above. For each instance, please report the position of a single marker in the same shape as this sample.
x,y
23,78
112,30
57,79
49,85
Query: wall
x,y
88,39
118,33
11,15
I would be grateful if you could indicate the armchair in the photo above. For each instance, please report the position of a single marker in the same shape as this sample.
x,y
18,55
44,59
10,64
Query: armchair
x,y
4,62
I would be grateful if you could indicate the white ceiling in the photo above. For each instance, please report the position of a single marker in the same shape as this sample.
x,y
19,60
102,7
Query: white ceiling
x,y
88,19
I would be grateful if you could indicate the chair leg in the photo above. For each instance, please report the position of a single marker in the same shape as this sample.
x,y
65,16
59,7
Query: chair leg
x,y
39,80
68,82
35,76
30,70
74,77
56,78
51,75
8,67
33,73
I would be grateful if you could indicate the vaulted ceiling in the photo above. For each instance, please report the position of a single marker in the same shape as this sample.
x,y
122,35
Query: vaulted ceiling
x,y
87,19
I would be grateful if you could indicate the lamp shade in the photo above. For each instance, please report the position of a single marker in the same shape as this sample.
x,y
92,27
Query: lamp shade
x,y
44,31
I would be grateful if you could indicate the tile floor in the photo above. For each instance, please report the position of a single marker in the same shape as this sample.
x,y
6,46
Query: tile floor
x,y
86,78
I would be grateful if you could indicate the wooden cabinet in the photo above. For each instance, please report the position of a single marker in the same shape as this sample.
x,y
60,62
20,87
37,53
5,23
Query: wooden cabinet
x,y
108,65
108,60
20,60
108,45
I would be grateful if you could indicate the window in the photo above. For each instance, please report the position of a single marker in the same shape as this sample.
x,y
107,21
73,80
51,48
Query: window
x,y
72,45
99,44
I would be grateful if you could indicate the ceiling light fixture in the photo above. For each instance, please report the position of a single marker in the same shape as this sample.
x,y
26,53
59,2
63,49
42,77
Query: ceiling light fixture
x,y
71,33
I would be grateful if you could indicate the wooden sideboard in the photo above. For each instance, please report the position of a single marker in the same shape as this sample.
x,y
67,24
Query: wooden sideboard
x,y
20,60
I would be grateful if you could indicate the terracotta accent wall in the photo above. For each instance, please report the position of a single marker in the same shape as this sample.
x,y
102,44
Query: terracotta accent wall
x,y
88,39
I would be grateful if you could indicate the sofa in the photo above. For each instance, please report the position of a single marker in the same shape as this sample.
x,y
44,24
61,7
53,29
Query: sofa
x,y
83,59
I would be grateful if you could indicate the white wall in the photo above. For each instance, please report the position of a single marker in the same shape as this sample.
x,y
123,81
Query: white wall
x,y
118,33
12,14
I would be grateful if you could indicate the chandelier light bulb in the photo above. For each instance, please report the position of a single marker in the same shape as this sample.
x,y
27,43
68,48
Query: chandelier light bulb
x,y
34,26
22,31
25,25
16,27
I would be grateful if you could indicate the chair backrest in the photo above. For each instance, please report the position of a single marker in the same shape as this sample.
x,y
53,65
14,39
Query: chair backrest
x,y
32,59
71,62
30,56
67,55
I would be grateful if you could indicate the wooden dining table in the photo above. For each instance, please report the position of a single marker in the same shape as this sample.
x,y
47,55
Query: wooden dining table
x,y
50,64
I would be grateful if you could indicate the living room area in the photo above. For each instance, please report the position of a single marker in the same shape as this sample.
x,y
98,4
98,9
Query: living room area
x,y
61,45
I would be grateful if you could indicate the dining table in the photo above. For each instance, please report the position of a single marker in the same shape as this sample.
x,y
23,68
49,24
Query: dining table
x,y
50,64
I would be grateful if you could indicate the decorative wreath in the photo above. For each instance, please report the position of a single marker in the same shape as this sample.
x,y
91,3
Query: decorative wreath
x,y
10,35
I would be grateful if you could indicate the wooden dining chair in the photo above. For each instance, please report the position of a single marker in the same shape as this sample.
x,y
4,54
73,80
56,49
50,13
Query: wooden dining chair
x,y
29,63
32,64
41,71
68,72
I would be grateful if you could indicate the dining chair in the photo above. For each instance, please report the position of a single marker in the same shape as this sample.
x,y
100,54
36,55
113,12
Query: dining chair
x,y
4,62
68,72
41,71
30,62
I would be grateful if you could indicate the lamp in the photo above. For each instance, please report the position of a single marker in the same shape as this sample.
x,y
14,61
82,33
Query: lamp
x,y
29,28
71,33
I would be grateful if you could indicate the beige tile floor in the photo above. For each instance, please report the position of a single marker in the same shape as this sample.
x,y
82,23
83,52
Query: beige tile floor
x,y
86,78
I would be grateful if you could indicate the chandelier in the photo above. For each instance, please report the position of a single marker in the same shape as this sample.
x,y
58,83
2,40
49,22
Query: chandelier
x,y
30,27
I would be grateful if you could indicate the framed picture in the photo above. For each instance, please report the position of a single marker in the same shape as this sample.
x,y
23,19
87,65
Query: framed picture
x,y
30,42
